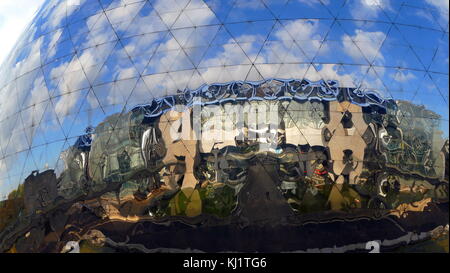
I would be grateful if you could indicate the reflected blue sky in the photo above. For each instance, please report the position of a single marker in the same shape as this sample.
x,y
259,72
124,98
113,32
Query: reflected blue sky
x,y
77,64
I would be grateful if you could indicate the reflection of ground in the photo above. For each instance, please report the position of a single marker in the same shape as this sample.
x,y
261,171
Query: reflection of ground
x,y
334,235
435,245
439,245
265,223
260,199
335,231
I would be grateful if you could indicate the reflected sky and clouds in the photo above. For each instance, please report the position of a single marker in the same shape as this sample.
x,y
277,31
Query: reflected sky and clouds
x,y
78,62
15,15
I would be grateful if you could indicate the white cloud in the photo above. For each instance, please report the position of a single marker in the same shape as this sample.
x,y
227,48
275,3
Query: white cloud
x,y
364,46
52,48
37,103
15,15
403,76
374,3
58,10
30,83
233,53
443,7
368,9
306,35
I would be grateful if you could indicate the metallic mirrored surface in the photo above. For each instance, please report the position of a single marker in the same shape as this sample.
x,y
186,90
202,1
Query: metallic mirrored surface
x,y
224,112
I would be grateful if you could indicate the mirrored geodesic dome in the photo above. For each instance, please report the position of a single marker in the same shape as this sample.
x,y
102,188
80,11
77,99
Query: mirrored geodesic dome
x,y
222,111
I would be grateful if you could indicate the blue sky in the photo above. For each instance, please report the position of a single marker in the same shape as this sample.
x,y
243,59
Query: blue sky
x,y
77,64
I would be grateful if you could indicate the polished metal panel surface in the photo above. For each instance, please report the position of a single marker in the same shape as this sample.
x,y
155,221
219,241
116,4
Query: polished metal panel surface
x,y
133,107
